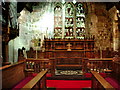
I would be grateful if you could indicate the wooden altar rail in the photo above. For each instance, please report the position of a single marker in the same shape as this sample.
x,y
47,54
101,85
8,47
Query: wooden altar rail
x,y
69,61
38,81
12,74
38,65
99,65
99,83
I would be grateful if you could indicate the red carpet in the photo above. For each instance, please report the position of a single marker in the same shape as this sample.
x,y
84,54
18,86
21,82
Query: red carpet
x,y
60,84
113,82
89,75
22,83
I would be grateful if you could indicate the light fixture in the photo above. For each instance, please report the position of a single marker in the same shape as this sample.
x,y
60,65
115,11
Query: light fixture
x,y
118,13
63,1
74,1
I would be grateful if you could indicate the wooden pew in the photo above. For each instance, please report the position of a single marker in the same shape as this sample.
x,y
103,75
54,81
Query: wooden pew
x,y
114,77
99,83
12,74
38,81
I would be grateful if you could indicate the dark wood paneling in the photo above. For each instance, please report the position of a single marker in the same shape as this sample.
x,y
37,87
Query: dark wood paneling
x,y
12,74
85,48
116,71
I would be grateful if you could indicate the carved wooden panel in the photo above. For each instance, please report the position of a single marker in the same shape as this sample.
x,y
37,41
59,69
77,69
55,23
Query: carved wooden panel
x,y
12,74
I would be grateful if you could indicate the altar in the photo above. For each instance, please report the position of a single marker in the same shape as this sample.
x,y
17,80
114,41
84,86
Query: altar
x,y
69,52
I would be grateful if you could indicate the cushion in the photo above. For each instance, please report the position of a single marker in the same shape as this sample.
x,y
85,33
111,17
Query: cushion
x,y
113,82
22,83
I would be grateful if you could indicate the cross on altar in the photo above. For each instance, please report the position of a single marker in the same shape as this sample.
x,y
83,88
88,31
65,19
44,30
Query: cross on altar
x,y
69,45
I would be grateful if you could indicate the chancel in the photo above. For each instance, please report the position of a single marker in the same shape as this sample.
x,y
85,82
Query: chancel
x,y
60,45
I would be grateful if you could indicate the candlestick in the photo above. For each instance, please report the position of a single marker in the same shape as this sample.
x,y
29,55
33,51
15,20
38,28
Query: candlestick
x,y
100,52
36,52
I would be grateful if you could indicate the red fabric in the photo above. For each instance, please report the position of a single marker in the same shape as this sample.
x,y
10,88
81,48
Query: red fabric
x,y
47,75
67,84
59,84
89,75
113,82
34,74
22,83
103,74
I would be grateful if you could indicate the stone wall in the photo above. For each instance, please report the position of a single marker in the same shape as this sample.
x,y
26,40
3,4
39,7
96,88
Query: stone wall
x,y
114,24
99,24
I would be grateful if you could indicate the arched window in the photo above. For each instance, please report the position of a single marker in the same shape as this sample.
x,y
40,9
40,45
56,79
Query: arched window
x,y
69,21
80,21
58,20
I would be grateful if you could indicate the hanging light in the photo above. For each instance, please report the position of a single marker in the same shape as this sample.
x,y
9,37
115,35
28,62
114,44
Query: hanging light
x,y
74,1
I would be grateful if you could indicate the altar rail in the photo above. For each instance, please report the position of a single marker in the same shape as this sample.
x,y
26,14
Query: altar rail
x,y
99,65
99,83
69,61
38,81
37,65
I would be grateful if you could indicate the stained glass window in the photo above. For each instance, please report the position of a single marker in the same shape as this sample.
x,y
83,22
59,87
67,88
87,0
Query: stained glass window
x,y
80,21
58,21
69,20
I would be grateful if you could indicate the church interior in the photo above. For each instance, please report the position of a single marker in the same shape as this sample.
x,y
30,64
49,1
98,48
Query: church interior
x,y
60,45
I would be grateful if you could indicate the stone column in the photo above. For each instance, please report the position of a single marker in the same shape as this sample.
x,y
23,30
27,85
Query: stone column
x,y
116,32
1,57
5,35
119,30
5,50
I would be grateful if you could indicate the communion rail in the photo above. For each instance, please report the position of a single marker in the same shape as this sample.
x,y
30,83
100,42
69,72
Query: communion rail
x,y
100,65
37,65
99,83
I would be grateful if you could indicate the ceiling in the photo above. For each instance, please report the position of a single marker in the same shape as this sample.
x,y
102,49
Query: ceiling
x,y
109,5
28,5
